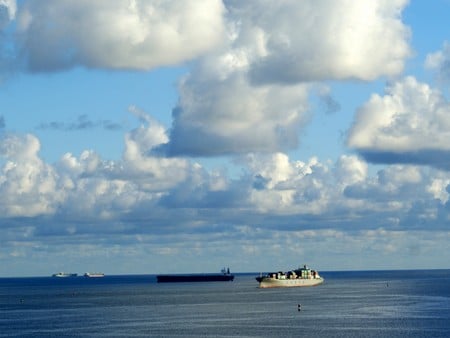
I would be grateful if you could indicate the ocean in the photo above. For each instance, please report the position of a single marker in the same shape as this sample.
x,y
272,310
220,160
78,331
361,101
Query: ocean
x,y
348,304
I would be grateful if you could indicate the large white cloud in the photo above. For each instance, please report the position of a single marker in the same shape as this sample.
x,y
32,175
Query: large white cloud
x,y
316,40
59,34
331,39
231,116
252,94
409,124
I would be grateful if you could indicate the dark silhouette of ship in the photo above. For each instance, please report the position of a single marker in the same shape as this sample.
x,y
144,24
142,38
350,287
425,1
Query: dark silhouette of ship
x,y
225,276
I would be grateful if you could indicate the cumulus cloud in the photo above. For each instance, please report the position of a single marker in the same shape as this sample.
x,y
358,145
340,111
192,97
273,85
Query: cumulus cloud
x,y
136,34
231,116
110,189
154,172
390,187
86,187
331,39
27,184
440,62
409,124
252,94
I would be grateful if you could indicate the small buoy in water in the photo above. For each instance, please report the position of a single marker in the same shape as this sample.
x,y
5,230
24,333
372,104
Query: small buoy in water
x,y
299,307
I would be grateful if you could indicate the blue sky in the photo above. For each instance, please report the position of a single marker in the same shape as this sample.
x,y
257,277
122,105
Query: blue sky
x,y
185,136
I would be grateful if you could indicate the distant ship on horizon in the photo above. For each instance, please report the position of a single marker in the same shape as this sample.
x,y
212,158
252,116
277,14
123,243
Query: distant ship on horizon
x,y
225,276
64,274
94,274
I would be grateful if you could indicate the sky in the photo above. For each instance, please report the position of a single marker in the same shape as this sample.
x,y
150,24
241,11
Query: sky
x,y
185,136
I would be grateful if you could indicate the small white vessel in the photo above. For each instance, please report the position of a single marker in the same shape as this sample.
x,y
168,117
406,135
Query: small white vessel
x,y
294,278
94,274
64,274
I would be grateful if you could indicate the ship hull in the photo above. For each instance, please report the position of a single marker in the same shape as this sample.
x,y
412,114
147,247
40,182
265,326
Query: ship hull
x,y
193,278
268,282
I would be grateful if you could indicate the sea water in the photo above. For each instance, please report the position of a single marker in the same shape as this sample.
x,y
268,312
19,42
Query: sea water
x,y
348,304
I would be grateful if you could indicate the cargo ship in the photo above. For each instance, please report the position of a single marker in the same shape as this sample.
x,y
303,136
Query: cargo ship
x,y
225,276
300,277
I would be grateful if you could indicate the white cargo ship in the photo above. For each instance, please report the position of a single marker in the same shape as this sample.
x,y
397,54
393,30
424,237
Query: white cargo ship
x,y
294,278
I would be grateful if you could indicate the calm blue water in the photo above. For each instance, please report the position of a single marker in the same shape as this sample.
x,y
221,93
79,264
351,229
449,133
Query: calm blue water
x,y
349,304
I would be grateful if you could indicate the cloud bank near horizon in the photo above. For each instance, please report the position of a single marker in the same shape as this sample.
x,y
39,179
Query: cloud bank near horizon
x,y
142,197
